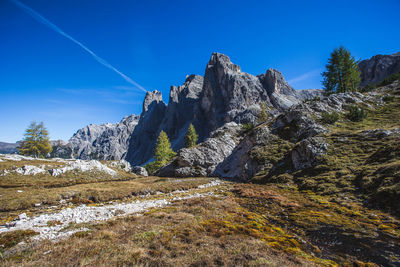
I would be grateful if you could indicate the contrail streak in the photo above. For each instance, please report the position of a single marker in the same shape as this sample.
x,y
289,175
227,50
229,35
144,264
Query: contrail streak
x,y
55,28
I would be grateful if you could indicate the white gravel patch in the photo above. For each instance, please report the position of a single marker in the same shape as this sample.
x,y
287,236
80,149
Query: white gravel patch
x,y
86,214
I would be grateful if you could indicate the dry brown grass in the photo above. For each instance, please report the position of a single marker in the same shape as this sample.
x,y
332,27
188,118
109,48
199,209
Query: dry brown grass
x,y
13,202
172,236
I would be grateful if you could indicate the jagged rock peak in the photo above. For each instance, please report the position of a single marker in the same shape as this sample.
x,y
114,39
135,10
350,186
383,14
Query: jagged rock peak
x,y
275,83
190,89
155,96
223,61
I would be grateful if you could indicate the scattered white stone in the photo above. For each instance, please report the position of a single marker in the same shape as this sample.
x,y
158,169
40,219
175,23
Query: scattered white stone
x,y
83,166
121,164
30,170
210,184
5,172
20,191
22,216
15,157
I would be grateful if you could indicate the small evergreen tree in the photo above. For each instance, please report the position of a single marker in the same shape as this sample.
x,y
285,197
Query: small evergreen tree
x,y
342,74
163,151
191,136
36,142
263,114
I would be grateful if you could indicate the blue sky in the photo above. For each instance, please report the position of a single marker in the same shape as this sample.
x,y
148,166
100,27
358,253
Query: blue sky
x,y
46,77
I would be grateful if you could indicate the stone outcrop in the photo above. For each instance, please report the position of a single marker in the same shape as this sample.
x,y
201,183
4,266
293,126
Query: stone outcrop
x,y
240,165
281,94
140,171
378,67
225,94
308,153
202,159
62,149
289,142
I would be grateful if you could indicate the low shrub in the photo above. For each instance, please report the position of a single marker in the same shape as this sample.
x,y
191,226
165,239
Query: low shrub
x,y
153,167
388,98
356,113
247,127
330,118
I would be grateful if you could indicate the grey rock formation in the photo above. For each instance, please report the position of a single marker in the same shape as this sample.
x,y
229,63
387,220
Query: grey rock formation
x,y
229,94
239,165
308,153
299,122
225,94
293,134
105,141
61,149
140,171
202,160
281,94
143,139
378,67
182,110
121,164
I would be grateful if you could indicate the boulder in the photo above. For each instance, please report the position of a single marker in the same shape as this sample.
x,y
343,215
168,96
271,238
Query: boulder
x,y
202,159
240,165
140,171
309,153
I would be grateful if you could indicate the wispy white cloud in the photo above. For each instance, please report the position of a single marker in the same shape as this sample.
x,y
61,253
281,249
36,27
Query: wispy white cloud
x,y
55,28
304,76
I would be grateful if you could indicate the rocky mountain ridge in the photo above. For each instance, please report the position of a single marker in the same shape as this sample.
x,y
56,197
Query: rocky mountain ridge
x,y
104,142
8,148
225,94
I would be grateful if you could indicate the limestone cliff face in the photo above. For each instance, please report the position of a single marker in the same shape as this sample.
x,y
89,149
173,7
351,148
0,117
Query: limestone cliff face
x,y
229,94
378,67
183,109
144,136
